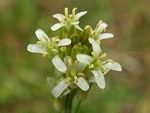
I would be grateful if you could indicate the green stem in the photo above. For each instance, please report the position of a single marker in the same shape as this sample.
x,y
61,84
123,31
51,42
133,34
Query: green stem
x,y
78,105
68,103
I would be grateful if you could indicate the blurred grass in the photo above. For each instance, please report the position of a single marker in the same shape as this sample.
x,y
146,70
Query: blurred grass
x,y
23,86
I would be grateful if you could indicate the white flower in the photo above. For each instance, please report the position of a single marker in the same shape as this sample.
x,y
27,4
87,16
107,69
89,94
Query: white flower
x,y
102,36
68,20
73,75
98,68
46,43
96,47
97,32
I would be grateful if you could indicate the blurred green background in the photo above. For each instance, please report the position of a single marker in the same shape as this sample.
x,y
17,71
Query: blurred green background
x,y
23,86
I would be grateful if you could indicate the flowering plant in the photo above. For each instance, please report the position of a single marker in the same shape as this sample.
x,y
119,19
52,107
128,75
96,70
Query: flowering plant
x,y
77,56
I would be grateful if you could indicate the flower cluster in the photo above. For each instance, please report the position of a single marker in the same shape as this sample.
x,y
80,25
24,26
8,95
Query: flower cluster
x,y
76,54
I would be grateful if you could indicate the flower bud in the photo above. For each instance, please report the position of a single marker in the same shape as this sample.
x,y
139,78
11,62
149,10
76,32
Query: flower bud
x,y
81,95
58,104
75,50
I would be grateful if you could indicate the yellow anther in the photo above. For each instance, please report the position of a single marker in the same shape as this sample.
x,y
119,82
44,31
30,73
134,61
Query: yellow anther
x,y
98,41
54,51
103,56
91,66
92,32
68,80
99,23
54,39
81,74
45,38
103,68
87,27
41,43
45,54
66,12
74,11
94,55
75,63
75,79
70,63
109,60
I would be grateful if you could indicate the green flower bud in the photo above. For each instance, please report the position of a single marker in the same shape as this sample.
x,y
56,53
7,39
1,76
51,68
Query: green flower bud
x,y
75,50
86,50
81,95
58,104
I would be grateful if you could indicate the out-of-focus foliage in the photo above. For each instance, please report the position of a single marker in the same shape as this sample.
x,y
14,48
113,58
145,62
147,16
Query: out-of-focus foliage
x,y
23,86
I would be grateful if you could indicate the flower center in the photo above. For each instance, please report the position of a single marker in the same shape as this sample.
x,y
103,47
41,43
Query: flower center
x,y
73,72
51,45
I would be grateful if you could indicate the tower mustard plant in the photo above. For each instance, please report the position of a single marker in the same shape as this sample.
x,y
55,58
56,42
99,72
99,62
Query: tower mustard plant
x,y
77,57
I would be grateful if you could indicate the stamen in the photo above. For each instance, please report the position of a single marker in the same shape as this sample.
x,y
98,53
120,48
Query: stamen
x,y
91,66
75,63
54,51
41,43
94,55
73,11
66,12
87,27
98,41
55,40
75,78
68,80
81,74
109,60
103,56
44,37
45,54
70,63
99,23
103,68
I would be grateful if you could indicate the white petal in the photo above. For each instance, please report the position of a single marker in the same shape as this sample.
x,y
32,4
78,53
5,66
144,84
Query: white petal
x,y
84,58
75,23
59,88
82,84
39,33
114,66
95,46
78,15
56,26
92,79
59,64
64,42
66,92
50,81
81,66
107,70
100,80
78,27
58,16
35,48
105,36
102,26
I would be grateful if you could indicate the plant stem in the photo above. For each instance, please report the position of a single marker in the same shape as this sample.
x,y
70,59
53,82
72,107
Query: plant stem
x,y
78,105
68,102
